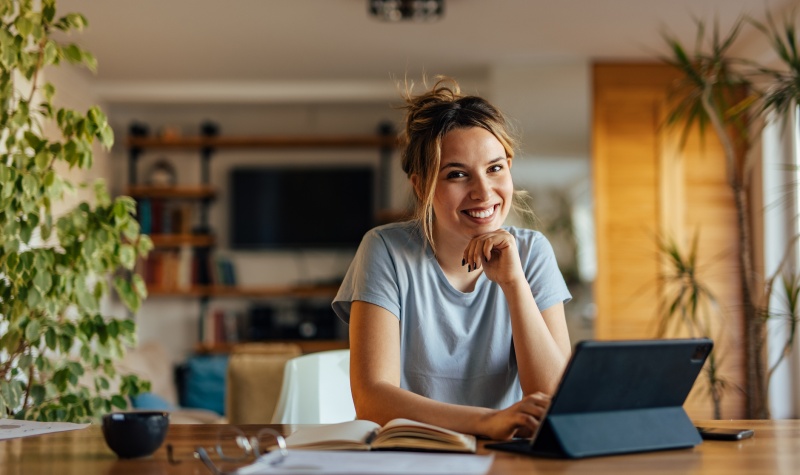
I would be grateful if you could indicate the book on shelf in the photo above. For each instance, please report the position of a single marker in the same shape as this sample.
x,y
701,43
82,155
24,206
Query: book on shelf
x,y
145,214
160,216
223,271
183,272
172,268
222,326
397,434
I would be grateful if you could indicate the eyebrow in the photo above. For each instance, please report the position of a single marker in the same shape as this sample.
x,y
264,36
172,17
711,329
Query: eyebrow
x,y
461,165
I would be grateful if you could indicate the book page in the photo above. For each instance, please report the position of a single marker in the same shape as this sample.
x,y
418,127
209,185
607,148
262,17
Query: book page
x,y
408,434
344,435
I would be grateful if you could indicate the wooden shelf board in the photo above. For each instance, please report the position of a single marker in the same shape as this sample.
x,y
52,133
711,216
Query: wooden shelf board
x,y
177,240
194,143
306,346
275,291
187,192
175,292
219,291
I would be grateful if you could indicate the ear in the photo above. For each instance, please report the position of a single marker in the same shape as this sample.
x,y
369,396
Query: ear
x,y
510,161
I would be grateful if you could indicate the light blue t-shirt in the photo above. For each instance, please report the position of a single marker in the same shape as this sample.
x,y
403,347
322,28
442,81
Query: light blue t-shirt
x,y
455,347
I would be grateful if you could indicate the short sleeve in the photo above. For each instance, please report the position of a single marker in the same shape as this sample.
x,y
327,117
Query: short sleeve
x,y
547,282
372,278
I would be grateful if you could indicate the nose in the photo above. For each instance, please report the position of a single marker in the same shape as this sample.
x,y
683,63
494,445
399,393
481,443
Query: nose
x,y
481,189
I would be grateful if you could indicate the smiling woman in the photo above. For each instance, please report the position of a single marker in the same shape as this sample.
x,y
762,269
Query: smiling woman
x,y
455,319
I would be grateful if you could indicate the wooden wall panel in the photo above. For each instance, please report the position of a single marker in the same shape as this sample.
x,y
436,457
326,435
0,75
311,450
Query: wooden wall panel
x,y
646,185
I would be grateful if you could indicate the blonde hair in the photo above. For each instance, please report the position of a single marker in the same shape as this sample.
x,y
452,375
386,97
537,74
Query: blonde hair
x,y
429,117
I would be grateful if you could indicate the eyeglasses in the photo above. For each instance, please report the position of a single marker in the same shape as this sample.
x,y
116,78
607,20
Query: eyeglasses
x,y
233,445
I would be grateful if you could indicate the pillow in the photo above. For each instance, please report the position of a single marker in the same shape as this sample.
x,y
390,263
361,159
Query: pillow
x,y
152,402
205,383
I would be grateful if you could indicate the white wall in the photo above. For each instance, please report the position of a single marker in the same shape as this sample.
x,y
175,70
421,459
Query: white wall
x,y
780,177
74,91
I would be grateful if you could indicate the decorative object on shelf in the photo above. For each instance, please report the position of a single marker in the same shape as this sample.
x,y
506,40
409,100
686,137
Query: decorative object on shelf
x,y
59,351
209,129
162,173
170,132
402,10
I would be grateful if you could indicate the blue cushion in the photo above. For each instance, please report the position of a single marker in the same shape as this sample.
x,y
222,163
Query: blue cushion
x,y
152,402
205,382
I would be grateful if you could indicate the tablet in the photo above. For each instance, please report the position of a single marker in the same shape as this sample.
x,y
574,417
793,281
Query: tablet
x,y
620,397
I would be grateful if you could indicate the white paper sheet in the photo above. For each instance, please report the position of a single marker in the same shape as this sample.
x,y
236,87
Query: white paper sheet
x,y
13,429
377,463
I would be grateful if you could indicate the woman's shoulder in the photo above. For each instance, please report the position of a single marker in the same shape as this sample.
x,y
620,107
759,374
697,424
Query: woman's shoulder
x,y
395,230
525,234
531,243
401,234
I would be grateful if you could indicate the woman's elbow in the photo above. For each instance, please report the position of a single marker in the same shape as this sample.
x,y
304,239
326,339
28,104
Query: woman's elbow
x,y
368,404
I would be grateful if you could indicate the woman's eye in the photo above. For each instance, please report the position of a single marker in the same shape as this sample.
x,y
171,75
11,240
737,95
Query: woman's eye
x,y
495,168
456,174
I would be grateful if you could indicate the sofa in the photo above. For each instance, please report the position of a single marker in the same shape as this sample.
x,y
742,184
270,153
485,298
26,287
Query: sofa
x,y
149,361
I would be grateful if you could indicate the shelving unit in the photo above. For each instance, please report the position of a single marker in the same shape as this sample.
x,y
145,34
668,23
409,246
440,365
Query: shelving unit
x,y
201,238
306,346
221,291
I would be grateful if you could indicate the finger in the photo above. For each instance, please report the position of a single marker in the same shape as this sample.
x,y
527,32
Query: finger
x,y
473,253
537,396
487,249
535,407
527,420
466,258
542,399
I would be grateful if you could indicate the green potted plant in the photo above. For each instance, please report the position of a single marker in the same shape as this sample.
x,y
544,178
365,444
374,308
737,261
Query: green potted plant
x,y
730,95
688,307
57,350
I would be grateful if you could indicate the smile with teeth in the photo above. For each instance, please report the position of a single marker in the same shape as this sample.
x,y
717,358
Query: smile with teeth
x,y
482,214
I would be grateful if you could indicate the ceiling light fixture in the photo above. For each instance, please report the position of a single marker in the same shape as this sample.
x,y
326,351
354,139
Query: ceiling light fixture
x,y
400,10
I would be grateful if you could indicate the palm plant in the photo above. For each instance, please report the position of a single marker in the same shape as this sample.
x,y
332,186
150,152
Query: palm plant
x,y
689,306
730,95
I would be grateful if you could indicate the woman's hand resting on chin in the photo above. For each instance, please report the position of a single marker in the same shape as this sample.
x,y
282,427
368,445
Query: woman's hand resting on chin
x,y
497,253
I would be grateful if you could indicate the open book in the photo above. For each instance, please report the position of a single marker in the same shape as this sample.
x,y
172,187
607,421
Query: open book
x,y
397,434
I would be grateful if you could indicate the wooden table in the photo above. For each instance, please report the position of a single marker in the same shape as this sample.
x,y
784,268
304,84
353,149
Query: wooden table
x,y
775,449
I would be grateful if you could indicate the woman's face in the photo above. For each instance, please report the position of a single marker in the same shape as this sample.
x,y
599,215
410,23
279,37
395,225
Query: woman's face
x,y
474,189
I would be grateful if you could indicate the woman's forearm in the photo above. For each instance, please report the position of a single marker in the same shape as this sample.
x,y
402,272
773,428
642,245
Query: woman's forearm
x,y
542,352
382,401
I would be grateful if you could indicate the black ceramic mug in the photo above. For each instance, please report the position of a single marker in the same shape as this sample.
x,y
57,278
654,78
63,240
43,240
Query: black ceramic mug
x,y
136,433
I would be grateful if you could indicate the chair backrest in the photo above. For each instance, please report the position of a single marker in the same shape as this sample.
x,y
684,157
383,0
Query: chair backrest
x,y
254,378
316,390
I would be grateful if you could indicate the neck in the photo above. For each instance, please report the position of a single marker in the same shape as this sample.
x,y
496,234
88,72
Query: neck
x,y
449,250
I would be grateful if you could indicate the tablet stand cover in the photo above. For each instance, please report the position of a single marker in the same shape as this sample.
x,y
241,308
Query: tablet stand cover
x,y
620,397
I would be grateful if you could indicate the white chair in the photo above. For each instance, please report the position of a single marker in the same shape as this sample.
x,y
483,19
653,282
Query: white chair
x,y
316,390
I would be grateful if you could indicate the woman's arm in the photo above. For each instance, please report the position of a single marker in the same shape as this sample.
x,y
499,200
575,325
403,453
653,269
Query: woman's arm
x,y
375,384
541,340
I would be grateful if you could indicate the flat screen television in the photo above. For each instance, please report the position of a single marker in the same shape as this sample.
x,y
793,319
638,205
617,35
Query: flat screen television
x,y
300,207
